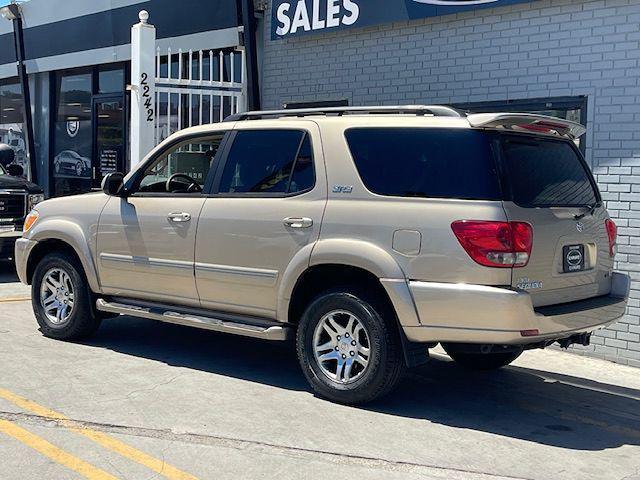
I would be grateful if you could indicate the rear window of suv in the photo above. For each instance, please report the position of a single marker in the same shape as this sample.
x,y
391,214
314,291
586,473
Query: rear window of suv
x,y
425,162
546,173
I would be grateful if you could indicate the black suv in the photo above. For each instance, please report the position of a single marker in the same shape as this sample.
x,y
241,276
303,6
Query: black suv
x,y
17,197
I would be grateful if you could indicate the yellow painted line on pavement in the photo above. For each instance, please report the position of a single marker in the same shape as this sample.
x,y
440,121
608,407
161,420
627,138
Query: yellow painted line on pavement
x,y
15,299
100,438
54,453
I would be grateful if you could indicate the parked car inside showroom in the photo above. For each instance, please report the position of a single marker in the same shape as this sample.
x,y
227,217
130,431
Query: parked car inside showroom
x,y
72,163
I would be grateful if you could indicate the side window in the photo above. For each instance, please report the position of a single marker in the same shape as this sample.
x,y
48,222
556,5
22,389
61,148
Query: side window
x,y
182,169
304,175
269,161
425,162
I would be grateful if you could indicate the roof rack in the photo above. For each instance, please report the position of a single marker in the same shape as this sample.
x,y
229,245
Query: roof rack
x,y
418,110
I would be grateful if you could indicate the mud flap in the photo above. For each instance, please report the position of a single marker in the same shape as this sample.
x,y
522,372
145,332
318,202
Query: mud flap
x,y
415,354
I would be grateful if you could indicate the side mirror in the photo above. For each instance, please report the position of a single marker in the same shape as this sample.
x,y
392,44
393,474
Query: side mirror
x,y
112,184
15,170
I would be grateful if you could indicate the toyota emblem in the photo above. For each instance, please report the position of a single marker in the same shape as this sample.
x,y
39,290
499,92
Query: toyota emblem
x,y
580,227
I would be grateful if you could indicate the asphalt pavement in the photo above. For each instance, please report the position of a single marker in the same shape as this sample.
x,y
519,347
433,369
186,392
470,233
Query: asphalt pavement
x,y
149,400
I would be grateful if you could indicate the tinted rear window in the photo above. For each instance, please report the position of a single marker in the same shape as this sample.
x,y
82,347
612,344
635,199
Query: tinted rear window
x,y
425,162
546,173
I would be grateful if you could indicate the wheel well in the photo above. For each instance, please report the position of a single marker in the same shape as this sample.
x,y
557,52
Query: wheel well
x,y
321,278
45,247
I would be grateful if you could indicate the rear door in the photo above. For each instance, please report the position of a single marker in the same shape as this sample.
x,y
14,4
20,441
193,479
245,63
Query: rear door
x,y
264,216
548,184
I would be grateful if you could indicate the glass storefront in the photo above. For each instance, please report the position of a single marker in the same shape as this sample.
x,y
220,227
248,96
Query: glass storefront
x,y
11,124
89,138
72,166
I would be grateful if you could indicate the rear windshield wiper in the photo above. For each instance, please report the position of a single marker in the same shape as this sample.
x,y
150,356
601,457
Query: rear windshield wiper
x,y
591,210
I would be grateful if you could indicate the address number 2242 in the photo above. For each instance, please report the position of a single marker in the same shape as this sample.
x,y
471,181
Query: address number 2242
x,y
146,96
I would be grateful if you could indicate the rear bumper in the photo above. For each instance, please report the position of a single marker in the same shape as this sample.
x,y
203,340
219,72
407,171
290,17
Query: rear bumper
x,y
479,314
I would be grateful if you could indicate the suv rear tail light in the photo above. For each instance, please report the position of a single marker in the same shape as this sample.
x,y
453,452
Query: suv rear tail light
x,y
495,244
612,232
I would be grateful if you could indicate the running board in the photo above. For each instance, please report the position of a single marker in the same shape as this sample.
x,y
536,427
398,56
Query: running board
x,y
217,322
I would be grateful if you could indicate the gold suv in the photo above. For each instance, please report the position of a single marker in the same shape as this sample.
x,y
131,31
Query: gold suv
x,y
369,234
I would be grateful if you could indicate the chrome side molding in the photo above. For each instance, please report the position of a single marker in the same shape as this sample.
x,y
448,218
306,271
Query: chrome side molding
x,y
226,323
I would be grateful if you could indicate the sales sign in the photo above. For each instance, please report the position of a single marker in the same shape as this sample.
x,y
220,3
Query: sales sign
x,y
296,17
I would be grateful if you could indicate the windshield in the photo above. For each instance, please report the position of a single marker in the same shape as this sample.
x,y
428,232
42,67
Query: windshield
x,y
546,173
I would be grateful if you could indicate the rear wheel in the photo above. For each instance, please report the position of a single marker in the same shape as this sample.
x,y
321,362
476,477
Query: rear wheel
x,y
61,299
347,350
482,361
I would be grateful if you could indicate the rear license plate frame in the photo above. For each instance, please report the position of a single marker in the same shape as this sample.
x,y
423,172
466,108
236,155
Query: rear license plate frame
x,y
573,258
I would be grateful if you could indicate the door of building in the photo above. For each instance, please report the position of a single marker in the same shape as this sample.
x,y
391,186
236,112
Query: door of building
x,y
110,138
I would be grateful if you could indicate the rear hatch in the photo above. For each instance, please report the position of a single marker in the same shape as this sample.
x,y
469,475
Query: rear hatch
x,y
547,184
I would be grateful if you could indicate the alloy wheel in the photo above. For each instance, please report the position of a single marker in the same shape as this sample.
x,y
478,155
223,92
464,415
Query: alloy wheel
x,y
57,296
341,347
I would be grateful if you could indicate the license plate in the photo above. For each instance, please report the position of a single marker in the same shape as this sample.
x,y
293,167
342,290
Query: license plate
x,y
573,258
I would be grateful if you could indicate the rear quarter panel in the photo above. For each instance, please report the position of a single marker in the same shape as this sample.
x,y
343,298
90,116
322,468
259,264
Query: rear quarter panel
x,y
429,251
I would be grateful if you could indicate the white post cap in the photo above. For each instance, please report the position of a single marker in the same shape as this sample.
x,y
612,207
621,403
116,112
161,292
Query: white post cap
x,y
143,16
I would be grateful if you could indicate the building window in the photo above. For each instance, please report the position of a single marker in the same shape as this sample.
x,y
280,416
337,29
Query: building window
x,y
89,128
11,124
72,166
111,81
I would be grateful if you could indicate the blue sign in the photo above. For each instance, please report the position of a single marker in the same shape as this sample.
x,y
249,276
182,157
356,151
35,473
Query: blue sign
x,y
296,17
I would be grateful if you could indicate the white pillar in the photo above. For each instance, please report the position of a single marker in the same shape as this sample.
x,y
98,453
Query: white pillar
x,y
143,91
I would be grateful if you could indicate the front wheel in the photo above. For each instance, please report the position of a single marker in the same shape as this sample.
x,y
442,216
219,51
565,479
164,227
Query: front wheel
x,y
482,361
61,299
348,352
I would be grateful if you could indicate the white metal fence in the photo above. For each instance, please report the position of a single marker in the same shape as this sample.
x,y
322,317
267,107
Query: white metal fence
x,y
197,87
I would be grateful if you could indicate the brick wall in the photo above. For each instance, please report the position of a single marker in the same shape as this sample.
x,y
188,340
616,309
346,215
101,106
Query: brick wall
x,y
547,48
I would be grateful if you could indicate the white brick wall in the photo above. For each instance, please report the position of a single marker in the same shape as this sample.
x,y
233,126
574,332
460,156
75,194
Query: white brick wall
x,y
547,48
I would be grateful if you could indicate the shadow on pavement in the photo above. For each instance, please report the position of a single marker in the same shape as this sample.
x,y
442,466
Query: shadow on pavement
x,y
521,403
8,272
527,404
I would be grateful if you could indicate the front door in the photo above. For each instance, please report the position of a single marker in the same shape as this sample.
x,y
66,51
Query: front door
x,y
109,121
266,211
146,241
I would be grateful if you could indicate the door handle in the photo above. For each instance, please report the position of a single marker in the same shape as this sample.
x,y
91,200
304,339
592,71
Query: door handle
x,y
179,217
298,222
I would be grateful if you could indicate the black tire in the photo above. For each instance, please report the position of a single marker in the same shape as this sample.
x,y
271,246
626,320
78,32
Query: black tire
x,y
385,366
82,321
482,361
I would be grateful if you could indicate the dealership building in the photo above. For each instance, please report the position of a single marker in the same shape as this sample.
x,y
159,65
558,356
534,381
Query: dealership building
x,y
576,59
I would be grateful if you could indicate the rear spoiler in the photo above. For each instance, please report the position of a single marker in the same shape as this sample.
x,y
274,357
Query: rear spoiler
x,y
528,122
